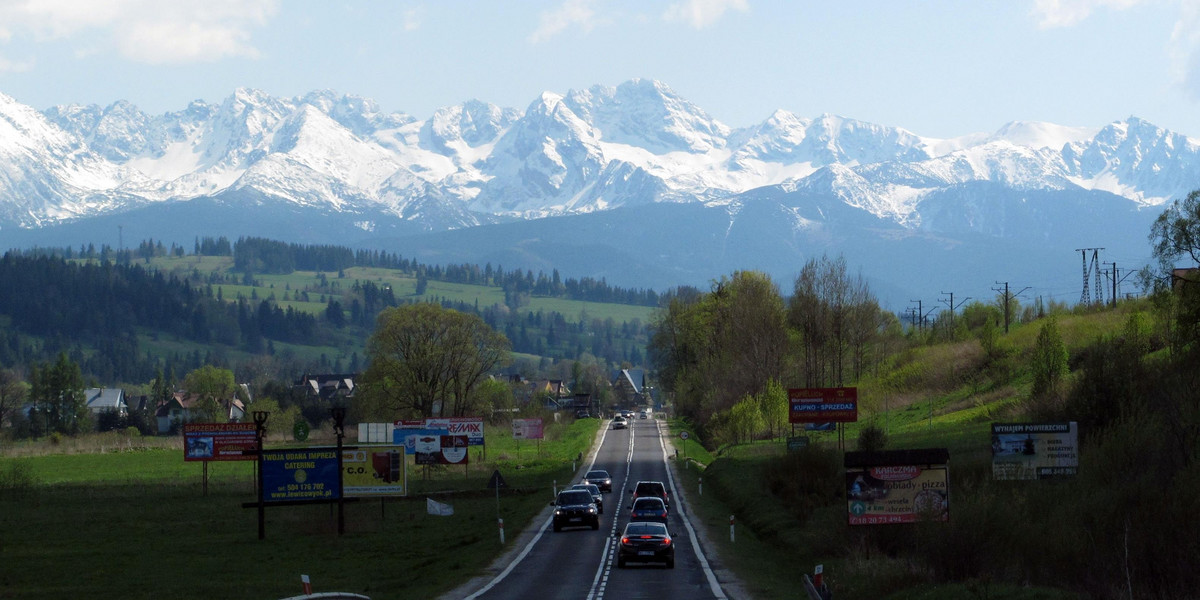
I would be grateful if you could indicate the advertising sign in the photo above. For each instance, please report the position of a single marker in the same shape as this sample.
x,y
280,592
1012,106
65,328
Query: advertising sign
x,y
218,441
527,429
428,440
300,474
897,487
373,472
472,427
1028,451
823,405
454,450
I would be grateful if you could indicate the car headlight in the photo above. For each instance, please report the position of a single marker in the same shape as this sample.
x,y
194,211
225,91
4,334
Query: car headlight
x,y
557,513
591,510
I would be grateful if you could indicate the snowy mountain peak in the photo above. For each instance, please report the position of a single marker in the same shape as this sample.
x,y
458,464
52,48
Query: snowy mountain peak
x,y
1035,134
585,151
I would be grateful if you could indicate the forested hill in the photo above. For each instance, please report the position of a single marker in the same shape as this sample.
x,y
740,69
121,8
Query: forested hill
x,y
124,314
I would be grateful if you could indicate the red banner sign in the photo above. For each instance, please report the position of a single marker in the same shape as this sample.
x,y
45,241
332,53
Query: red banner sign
x,y
823,405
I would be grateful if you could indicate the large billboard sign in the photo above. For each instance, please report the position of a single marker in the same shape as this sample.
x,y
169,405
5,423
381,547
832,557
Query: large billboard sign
x,y
527,429
904,486
219,441
472,427
300,474
373,472
1027,451
823,405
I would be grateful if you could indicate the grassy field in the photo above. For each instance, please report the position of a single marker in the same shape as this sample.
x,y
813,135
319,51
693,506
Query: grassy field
x,y
133,522
324,285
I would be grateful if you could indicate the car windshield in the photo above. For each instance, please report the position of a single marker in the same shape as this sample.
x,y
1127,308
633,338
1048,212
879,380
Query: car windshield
x,y
649,488
641,528
597,475
593,490
575,497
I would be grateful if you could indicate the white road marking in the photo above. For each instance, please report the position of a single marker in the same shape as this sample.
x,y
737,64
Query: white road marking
x,y
713,584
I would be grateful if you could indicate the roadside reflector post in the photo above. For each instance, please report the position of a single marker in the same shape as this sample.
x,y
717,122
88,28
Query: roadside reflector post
x,y
731,528
501,530
818,576
306,585
699,486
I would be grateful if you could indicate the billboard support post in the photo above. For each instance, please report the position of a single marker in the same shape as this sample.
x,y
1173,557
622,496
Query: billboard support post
x,y
339,428
260,430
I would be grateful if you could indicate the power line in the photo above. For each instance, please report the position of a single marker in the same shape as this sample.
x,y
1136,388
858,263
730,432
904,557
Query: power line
x,y
953,307
1008,300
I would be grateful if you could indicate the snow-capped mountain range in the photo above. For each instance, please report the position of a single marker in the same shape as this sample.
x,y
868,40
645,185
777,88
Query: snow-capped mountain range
x,y
370,175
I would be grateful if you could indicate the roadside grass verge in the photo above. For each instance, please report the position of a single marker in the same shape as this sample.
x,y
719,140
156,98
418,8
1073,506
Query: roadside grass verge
x,y
126,525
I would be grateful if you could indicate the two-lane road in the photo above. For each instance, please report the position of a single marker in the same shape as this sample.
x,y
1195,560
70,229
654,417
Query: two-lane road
x,y
581,563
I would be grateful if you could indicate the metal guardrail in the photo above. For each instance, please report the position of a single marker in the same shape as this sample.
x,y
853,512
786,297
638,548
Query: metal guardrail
x,y
329,596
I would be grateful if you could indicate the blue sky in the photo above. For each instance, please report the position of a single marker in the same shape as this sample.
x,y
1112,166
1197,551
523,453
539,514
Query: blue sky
x,y
936,68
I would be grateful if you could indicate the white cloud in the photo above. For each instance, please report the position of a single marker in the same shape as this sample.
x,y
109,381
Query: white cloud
x,y
1184,48
412,19
554,22
18,66
702,13
1065,13
150,31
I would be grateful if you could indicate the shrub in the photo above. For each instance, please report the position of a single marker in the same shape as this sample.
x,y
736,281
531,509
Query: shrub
x,y
17,480
872,438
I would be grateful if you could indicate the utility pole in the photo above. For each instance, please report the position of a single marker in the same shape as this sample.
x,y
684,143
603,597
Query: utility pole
x,y
1116,281
918,316
953,307
1008,299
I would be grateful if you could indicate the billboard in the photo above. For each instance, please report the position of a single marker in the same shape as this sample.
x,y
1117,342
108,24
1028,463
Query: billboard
x,y
823,405
472,427
373,471
219,441
527,429
903,486
300,474
416,441
1029,451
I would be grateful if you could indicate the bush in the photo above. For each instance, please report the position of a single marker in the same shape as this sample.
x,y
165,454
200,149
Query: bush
x,y
872,438
805,480
17,480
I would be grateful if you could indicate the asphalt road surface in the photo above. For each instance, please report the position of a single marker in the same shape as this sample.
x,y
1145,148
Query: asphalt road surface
x,y
581,563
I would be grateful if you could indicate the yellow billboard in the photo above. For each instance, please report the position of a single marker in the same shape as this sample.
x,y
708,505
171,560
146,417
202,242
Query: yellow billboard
x,y
373,471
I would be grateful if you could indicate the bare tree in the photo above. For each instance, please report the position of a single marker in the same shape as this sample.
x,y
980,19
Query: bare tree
x,y
13,392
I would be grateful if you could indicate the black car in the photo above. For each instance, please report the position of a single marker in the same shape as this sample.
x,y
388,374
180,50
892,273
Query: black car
x,y
644,541
597,497
652,488
575,508
648,508
599,478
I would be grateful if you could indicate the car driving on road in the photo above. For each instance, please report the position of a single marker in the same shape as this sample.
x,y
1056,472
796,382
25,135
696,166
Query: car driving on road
x,y
644,541
648,508
652,488
575,508
597,497
600,478
619,423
